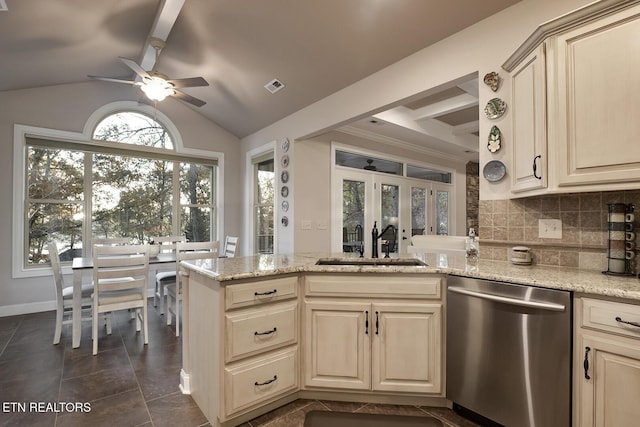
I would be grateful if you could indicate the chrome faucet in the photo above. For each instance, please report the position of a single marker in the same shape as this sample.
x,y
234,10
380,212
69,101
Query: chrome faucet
x,y
360,238
375,236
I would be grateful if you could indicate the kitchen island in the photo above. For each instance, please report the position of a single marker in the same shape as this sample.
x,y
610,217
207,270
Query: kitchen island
x,y
261,331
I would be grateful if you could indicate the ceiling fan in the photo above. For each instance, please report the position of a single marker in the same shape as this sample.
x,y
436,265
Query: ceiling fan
x,y
157,86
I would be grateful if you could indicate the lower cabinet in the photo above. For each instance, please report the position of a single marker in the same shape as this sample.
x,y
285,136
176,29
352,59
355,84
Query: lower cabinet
x,y
607,363
371,344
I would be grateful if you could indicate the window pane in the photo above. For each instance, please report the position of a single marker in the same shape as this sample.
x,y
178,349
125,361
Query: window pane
x,y
196,184
389,209
133,128
131,197
428,174
373,164
442,212
264,229
196,224
55,174
418,210
352,214
61,222
265,182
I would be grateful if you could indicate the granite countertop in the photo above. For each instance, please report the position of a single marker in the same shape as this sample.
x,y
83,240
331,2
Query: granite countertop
x,y
227,270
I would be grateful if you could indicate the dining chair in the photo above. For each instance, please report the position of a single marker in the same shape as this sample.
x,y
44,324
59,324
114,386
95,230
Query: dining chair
x,y
187,251
230,246
64,294
164,278
110,241
120,274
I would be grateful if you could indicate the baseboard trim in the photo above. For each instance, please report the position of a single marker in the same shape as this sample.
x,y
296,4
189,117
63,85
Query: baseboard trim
x,y
34,307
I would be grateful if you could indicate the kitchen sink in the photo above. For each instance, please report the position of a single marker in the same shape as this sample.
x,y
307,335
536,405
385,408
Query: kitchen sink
x,y
372,262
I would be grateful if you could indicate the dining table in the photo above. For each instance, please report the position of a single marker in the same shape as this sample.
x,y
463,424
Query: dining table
x,y
81,265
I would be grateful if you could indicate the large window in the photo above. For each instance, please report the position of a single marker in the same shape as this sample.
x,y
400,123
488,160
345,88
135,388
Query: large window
x,y
77,191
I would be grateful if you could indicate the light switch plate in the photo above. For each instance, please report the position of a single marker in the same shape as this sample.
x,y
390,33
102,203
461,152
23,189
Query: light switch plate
x,y
550,229
305,224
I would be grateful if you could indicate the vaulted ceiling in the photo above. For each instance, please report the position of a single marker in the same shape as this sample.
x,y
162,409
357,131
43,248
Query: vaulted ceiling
x,y
314,47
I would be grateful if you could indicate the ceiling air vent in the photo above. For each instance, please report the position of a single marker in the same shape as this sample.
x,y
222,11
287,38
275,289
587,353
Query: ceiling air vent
x,y
274,85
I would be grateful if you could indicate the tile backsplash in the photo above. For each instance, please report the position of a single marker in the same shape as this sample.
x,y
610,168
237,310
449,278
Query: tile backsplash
x,y
507,223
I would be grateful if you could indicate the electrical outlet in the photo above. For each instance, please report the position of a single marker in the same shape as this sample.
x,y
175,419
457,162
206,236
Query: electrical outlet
x,y
305,224
550,229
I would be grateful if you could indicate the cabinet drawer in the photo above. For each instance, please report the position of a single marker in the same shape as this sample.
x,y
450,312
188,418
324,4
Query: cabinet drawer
x,y
255,382
610,316
253,331
260,292
379,285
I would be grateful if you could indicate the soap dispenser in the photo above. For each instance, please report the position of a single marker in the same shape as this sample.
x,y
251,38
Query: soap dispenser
x,y
472,245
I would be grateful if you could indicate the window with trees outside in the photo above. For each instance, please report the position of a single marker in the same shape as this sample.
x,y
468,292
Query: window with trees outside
x,y
128,182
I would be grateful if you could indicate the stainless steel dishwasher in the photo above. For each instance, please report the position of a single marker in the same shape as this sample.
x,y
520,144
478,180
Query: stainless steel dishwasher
x,y
509,352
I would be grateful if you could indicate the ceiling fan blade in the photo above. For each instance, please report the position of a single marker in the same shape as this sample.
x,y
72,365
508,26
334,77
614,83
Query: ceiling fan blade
x,y
188,98
108,79
189,82
135,67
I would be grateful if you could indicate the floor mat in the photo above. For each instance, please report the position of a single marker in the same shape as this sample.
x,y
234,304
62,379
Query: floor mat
x,y
353,419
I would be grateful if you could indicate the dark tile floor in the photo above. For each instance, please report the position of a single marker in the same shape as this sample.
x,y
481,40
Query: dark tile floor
x,y
125,384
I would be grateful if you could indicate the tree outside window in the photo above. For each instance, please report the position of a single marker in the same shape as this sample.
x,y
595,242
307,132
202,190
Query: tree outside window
x,y
128,194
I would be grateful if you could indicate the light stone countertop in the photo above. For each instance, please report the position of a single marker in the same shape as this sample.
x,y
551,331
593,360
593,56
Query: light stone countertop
x,y
227,270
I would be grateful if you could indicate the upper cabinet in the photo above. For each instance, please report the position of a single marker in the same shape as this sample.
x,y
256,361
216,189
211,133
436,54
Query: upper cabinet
x,y
529,124
575,106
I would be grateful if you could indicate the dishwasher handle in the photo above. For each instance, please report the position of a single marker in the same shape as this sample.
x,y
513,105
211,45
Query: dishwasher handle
x,y
507,300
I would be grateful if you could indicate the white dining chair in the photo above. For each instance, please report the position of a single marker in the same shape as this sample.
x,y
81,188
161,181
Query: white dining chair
x,y
230,246
110,241
120,274
64,294
164,278
187,251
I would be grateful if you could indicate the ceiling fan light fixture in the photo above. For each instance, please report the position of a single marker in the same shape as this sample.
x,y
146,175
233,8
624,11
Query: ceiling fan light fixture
x,y
157,88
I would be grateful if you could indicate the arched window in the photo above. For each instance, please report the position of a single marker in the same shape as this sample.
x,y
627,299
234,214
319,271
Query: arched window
x,y
128,180
133,128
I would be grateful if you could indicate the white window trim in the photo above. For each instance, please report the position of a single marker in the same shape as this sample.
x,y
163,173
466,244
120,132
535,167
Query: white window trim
x,y
20,133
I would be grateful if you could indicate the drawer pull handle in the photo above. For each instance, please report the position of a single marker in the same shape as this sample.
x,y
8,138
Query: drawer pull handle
x,y
275,377
377,323
266,332
265,293
636,324
586,363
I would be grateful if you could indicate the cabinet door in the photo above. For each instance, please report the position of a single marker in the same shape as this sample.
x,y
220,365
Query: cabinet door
x,y
337,344
528,112
610,396
598,75
407,347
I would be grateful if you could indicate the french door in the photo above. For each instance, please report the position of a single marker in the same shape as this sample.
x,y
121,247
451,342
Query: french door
x,y
410,206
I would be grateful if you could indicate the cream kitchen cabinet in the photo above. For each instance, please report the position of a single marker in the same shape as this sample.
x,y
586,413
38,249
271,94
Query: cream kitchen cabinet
x,y
574,103
528,107
373,333
607,363
243,352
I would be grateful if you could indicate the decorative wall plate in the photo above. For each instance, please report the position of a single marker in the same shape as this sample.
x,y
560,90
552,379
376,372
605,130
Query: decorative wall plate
x,y
284,161
285,145
492,80
284,221
285,206
284,191
284,177
494,171
495,108
495,139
